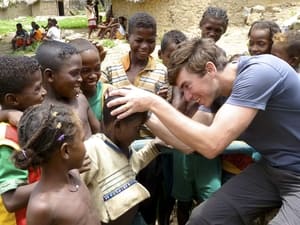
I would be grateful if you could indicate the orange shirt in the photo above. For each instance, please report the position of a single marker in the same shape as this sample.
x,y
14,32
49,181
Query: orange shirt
x,y
38,35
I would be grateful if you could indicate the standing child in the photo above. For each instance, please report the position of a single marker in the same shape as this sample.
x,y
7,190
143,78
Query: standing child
x,y
111,179
91,87
260,36
62,81
20,87
92,19
287,47
195,178
139,68
213,23
51,137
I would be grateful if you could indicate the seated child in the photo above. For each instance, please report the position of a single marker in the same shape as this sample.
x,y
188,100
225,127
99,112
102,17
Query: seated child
x,y
21,38
121,29
51,137
287,47
260,36
111,179
53,32
20,87
35,33
108,29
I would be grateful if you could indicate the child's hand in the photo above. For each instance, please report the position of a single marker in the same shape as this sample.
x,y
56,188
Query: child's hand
x,y
163,92
85,165
14,116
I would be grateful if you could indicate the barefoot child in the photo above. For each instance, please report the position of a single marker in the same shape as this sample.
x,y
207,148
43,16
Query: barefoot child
x,y
51,137
62,81
20,87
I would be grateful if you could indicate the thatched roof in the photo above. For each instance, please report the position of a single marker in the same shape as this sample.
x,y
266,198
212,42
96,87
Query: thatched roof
x,y
7,3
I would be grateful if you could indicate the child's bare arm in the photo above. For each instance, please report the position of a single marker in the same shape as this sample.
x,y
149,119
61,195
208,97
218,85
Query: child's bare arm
x,y
94,123
11,116
18,198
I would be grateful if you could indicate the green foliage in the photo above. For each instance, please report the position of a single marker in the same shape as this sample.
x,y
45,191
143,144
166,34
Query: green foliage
x,y
73,22
108,43
70,22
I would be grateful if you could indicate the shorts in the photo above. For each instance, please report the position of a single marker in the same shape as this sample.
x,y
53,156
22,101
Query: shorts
x,y
92,23
195,177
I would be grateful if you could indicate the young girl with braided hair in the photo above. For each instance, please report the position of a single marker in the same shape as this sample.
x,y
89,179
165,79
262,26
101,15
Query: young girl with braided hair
x,y
51,137
213,23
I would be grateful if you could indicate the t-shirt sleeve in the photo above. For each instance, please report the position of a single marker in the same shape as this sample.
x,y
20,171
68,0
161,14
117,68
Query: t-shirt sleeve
x,y
254,86
10,176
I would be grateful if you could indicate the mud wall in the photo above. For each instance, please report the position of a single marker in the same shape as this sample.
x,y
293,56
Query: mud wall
x,y
185,15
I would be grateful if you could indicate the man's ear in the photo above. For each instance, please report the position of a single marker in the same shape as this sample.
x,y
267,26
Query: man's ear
x,y
159,53
11,99
210,67
65,151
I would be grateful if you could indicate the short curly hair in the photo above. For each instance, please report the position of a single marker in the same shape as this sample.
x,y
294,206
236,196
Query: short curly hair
x,y
141,20
16,73
52,54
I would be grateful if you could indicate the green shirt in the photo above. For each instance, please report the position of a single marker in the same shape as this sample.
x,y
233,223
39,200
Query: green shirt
x,y
10,176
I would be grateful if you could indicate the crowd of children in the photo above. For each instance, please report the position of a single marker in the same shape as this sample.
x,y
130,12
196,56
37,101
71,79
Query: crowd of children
x,y
59,107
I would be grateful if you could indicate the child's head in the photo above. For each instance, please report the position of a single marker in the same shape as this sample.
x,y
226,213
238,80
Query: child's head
x,y
20,82
49,132
33,24
169,43
287,47
19,26
91,65
122,20
141,35
260,36
213,23
124,131
61,66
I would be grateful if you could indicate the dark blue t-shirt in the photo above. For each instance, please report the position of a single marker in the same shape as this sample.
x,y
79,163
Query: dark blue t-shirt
x,y
270,85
